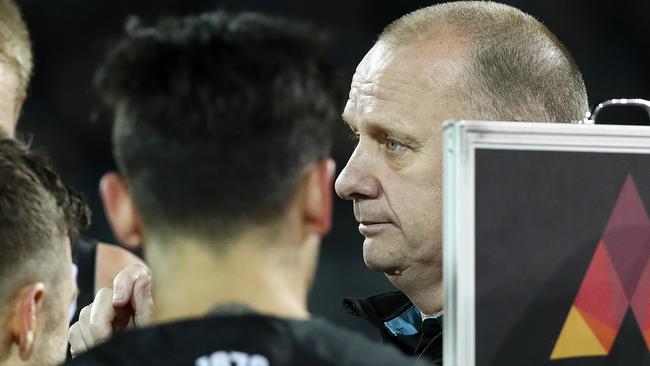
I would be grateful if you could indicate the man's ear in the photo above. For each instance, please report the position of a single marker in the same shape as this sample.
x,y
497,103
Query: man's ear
x,y
120,210
23,319
318,199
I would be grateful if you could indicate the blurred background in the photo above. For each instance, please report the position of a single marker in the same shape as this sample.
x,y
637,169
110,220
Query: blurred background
x,y
609,40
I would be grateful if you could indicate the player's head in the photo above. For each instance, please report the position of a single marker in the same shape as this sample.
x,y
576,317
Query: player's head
x,y
15,65
39,216
460,60
222,128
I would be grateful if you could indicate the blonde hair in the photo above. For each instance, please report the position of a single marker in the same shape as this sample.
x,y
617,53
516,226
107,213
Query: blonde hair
x,y
15,44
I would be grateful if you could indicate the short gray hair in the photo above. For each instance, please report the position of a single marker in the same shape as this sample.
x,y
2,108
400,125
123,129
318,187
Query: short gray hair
x,y
517,70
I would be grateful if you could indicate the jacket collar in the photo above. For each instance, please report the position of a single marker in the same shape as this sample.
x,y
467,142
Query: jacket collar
x,y
393,312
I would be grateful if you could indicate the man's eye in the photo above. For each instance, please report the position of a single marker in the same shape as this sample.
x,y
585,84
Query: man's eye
x,y
394,145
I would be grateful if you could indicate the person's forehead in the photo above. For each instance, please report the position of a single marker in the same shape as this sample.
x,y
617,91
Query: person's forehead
x,y
430,55
400,84
369,112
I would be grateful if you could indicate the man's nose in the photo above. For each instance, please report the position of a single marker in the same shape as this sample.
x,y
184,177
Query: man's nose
x,y
356,180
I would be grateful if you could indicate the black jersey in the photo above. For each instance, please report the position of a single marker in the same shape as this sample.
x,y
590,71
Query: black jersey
x,y
244,340
85,255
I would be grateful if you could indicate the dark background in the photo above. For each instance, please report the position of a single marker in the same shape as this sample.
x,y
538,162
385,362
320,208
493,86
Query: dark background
x,y
608,39
546,252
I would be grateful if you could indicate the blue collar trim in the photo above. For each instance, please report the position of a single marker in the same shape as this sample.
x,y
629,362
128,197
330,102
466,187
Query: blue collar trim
x,y
407,323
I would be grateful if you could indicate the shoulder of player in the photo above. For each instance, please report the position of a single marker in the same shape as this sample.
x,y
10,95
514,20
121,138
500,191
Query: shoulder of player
x,y
175,342
282,341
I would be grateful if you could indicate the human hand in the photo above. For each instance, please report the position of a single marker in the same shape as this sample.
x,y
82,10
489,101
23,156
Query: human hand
x,y
128,304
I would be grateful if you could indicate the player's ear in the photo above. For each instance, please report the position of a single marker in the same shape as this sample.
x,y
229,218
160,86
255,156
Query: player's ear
x,y
25,305
20,101
9,122
120,210
318,196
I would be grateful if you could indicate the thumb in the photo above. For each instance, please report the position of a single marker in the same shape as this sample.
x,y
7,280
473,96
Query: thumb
x,y
142,301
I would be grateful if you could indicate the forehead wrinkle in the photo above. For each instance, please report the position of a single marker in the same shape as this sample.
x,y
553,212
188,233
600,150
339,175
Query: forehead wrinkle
x,y
375,118
394,84
384,119
383,87
371,101
390,115
399,86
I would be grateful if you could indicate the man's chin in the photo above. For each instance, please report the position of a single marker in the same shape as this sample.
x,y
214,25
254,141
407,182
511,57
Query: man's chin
x,y
379,260
378,266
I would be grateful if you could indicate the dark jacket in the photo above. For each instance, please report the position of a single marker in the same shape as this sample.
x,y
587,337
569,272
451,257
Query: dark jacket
x,y
252,340
399,322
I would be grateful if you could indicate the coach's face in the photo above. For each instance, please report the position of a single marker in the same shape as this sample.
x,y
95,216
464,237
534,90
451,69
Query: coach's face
x,y
398,100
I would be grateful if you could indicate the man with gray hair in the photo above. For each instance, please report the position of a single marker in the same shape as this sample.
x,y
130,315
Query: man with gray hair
x,y
460,60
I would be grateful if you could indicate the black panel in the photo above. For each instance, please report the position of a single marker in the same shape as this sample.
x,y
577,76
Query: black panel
x,y
539,218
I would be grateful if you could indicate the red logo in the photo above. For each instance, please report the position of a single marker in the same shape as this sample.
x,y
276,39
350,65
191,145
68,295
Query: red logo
x,y
618,279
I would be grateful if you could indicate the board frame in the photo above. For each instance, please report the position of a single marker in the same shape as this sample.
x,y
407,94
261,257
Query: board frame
x,y
461,139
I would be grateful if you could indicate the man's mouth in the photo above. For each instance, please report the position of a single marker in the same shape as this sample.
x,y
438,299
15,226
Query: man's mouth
x,y
373,222
369,228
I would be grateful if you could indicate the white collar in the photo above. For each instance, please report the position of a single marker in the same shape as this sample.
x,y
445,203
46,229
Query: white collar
x,y
427,316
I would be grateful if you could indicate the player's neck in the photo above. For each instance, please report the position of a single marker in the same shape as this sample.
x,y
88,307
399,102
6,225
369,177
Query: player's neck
x,y
194,279
11,358
8,350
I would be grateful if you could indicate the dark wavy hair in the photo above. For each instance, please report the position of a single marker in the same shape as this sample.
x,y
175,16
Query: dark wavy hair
x,y
217,116
38,212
